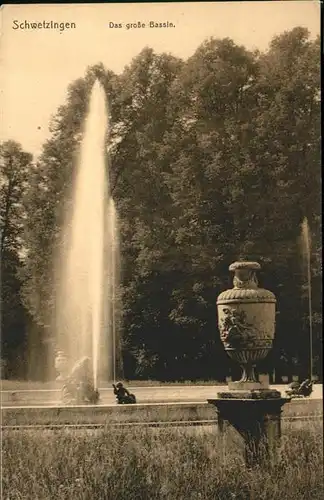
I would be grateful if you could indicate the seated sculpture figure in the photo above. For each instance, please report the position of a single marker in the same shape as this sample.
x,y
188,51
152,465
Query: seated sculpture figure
x,y
123,395
79,387
300,390
306,388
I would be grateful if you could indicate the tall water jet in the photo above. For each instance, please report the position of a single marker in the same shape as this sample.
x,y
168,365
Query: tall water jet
x,y
306,253
87,274
114,285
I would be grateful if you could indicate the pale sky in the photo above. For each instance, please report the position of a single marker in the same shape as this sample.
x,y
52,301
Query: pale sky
x,y
38,65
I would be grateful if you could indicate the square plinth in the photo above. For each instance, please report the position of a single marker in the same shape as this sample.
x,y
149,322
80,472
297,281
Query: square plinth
x,y
250,394
247,386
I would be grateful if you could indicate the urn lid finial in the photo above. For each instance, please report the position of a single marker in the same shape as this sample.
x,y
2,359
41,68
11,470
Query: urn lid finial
x,y
244,264
245,285
245,274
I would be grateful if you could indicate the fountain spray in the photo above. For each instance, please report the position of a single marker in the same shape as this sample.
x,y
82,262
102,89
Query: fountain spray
x,y
306,251
86,312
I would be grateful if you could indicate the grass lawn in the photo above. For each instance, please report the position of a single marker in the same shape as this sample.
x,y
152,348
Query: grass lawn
x,y
151,464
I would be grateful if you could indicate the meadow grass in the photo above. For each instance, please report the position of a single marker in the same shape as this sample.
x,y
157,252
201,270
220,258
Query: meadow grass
x,y
156,464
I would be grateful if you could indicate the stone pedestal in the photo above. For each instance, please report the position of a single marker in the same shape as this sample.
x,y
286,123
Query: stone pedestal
x,y
247,386
256,416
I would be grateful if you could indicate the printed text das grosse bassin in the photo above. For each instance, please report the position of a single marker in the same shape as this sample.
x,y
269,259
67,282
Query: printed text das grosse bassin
x,y
140,25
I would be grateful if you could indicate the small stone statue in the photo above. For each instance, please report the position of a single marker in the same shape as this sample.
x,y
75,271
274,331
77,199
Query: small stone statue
x,y
79,387
300,390
123,396
61,366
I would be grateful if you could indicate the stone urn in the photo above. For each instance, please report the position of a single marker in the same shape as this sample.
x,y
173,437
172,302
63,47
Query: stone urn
x,y
61,364
246,319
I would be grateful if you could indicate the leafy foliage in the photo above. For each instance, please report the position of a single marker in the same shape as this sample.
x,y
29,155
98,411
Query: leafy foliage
x,y
211,159
15,165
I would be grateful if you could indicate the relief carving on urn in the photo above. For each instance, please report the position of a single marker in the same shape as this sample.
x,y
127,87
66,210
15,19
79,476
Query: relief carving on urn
x,y
234,329
246,319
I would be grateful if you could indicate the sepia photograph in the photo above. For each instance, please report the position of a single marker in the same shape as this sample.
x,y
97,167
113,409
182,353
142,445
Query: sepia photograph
x,y
161,251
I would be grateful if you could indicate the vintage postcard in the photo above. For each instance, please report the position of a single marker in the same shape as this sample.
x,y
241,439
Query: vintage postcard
x,y
160,217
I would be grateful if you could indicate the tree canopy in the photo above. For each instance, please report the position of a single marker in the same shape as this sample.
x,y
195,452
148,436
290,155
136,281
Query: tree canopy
x,y
211,160
15,166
